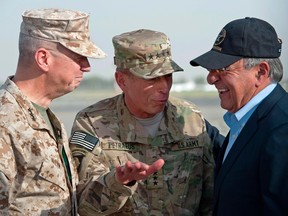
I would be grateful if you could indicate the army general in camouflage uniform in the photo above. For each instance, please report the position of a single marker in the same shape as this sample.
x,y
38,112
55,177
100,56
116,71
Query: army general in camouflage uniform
x,y
37,173
141,152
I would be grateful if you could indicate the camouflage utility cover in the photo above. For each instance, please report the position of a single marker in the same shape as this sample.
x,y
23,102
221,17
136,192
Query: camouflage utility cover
x,y
145,53
105,135
67,27
33,177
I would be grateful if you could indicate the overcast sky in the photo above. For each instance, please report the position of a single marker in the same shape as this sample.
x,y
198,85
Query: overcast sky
x,y
191,25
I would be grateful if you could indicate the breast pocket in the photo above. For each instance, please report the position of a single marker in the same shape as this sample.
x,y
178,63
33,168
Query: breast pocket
x,y
45,178
182,170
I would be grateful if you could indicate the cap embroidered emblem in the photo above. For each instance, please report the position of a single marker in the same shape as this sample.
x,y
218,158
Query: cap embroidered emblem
x,y
220,38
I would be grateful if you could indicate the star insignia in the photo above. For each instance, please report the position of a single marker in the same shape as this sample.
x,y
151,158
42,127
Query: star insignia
x,y
155,179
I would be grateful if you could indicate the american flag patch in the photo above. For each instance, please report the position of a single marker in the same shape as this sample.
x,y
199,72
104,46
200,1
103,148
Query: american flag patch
x,y
85,140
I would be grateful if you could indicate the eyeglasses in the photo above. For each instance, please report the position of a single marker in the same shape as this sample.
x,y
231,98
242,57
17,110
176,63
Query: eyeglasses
x,y
219,71
225,69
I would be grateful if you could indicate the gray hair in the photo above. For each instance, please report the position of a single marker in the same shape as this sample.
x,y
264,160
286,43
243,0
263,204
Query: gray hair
x,y
28,45
276,68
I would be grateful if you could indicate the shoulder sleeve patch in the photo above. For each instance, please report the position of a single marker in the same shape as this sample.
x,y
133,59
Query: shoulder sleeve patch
x,y
85,140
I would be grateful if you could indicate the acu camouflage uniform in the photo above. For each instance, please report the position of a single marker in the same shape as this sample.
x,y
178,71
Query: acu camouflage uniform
x,y
105,134
33,176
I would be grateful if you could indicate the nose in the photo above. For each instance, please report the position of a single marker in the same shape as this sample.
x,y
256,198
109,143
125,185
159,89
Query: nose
x,y
165,83
85,65
212,77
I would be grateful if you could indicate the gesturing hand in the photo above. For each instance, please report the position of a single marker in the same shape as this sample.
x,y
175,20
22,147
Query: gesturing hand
x,y
136,171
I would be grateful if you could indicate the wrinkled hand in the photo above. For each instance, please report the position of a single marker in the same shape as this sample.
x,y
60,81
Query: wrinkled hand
x,y
136,171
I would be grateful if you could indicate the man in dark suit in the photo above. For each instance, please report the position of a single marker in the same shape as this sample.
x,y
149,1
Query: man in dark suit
x,y
251,176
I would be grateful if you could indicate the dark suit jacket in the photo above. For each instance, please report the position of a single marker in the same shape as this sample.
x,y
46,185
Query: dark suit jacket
x,y
217,139
253,180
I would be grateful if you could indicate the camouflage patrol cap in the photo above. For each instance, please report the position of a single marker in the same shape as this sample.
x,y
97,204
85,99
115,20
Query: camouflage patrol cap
x,y
145,53
67,27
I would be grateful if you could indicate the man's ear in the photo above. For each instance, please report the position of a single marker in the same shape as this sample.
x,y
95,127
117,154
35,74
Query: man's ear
x,y
121,79
41,58
263,72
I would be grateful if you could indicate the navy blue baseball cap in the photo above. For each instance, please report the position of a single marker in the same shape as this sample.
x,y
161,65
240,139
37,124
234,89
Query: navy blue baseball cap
x,y
241,38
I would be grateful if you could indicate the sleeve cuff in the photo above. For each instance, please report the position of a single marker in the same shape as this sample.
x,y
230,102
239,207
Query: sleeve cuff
x,y
113,185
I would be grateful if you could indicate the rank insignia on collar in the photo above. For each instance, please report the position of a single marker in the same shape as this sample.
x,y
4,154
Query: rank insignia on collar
x,y
31,114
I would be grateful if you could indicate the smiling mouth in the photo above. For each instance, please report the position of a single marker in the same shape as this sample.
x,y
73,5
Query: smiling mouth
x,y
222,91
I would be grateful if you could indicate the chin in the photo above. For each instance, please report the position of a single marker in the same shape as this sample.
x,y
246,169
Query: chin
x,y
68,90
159,110
74,85
224,107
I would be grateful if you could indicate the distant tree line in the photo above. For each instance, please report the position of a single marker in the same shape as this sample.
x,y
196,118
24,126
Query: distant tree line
x,y
96,82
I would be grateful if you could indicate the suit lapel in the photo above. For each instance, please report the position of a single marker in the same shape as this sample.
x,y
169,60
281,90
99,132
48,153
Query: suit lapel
x,y
242,140
221,155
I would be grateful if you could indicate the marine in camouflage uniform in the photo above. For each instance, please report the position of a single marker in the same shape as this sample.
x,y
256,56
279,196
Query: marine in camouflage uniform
x,y
105,135
33,178
37,172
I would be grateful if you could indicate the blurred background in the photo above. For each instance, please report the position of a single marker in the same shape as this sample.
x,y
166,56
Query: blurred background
x,y
191,25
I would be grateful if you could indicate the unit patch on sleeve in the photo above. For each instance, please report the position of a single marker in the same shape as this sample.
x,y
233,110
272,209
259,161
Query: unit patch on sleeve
x,y
85,140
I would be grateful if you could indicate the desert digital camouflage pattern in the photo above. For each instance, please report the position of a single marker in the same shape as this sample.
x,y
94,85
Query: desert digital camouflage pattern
x,y
145,53
67,27
105,134
33,177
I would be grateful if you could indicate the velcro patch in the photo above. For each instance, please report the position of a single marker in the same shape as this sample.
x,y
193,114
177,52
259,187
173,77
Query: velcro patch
x,y
85,140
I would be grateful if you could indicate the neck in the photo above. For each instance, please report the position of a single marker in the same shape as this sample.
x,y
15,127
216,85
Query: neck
x,y
34,89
